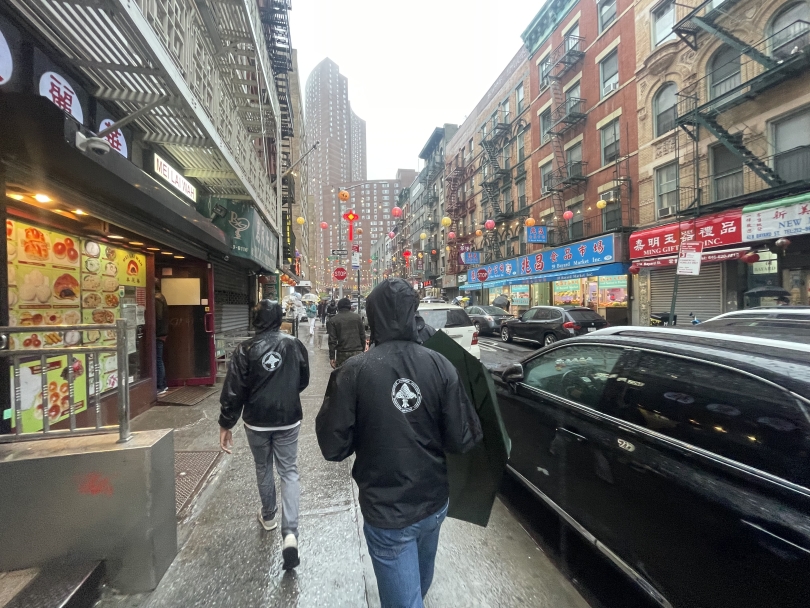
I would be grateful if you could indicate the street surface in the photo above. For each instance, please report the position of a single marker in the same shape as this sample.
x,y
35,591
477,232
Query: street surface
x,y
495,352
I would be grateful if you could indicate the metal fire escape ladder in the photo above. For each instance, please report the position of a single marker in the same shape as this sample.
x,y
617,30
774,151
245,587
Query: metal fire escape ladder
x,y
275,19
559,161
491,175
455,212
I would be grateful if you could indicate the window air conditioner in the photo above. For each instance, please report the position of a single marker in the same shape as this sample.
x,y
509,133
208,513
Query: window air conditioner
x,y
666,212
546,190
609,88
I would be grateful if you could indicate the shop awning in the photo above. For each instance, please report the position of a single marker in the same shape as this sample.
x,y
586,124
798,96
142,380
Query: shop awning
x,y
707,257
592,271
780,202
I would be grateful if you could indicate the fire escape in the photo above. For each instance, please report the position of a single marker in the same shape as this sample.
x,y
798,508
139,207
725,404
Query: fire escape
x,y
456,210
566,114
493,169
755,69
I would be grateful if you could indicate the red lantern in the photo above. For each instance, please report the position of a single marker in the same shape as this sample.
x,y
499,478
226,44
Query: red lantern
x,y
396,212
406,253
324,225
783,243
433,251
391,235
750,257
451,235
568,215
634,269
489,224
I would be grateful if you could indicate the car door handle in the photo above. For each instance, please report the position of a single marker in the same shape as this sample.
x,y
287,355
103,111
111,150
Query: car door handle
x,y
775,536
576,436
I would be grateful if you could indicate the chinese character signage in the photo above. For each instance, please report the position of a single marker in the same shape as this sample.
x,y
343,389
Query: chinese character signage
x,y
536,234
114,138
251,238
471,257
56,88
715,230
463,248
599,250
6,61
760,224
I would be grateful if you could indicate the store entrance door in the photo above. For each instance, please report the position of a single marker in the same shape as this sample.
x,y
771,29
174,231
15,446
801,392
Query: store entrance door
x,y
189,353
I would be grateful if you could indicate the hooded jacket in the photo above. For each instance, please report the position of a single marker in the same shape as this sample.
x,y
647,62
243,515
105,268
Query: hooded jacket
x,y
346,331
266,375
399,407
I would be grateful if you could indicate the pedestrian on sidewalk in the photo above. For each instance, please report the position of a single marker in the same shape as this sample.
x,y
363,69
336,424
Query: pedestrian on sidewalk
x,y
331,309
265,377
322,312
161,333
347,334
312,313
399,408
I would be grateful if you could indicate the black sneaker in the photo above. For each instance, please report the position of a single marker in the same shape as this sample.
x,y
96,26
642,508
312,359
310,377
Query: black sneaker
x,y
289,552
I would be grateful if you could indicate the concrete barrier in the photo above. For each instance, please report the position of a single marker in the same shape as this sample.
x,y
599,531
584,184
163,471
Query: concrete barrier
x,y
91,498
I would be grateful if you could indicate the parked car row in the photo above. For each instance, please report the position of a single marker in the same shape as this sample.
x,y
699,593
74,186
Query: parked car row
x,y
682,454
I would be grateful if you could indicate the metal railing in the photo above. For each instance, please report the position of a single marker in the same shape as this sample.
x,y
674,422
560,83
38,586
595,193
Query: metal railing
x,y
120,349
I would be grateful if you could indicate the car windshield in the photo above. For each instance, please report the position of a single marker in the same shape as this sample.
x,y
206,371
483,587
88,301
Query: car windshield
x,y
439,318
494,310
584,314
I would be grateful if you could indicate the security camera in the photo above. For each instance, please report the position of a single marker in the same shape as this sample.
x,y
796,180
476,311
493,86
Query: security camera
x,y
226,258
96,145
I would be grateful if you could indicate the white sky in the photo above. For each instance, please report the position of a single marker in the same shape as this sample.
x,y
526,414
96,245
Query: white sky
x,y
412,66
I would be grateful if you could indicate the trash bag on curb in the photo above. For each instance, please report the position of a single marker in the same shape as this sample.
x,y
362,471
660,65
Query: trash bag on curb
x,y
475,476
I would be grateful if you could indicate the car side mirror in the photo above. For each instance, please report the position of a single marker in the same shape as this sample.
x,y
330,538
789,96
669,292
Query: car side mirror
x,y
513,373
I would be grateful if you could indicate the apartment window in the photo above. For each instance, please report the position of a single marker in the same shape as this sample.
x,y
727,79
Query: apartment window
x,y
610,142
545,178
609,70
506,155
791,30
573,157
663,18
521,193
725,72
607,13
545,125
507,201
542,72
727,178
505,111
666,109
666,187
792,142
572,39
575,226
519,98
521,148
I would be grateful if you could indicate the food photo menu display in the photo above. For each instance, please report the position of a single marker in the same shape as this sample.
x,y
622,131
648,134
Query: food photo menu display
x,y
59,279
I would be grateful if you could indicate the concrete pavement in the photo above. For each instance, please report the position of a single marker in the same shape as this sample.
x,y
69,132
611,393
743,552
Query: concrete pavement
x,y
225,558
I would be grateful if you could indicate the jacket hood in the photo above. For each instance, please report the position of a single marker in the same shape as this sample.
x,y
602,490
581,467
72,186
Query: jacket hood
x,y
344,304
391,310
267,315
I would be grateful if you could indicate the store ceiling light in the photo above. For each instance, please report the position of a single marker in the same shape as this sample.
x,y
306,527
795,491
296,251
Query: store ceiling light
x,y
136,244
78,212
42,198
15,195
167,253
153,248
117,237
179,257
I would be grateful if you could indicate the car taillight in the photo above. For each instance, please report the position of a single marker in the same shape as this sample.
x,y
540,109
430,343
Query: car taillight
x,y
571,325
475,338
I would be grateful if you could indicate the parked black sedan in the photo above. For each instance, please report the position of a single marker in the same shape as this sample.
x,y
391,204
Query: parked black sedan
x,y
487,319
683,456
547,324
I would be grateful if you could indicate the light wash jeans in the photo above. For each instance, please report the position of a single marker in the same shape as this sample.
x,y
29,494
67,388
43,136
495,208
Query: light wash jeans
x,y
403,560
283,445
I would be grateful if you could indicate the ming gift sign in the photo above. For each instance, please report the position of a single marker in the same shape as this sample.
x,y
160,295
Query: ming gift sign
x,y
717,230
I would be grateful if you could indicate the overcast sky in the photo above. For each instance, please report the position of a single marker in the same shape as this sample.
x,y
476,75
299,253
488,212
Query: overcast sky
x,y
412,66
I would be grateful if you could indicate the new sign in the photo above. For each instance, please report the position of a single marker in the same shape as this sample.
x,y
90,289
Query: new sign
x,y
772,221
168,173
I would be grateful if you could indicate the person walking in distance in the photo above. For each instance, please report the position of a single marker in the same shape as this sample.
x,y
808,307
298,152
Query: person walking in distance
x,y
265,376
312,315
331,309
399,408
322,312
347,335
161,332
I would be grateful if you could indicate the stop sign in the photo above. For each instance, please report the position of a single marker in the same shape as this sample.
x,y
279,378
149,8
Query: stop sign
x,y
483,275
340,274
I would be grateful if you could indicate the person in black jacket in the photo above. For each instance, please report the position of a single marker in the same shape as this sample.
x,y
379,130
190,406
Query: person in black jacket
x,y
399,407
161,332
347,334
264,380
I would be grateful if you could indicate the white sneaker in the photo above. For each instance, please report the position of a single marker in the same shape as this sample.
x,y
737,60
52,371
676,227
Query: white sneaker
x,y
289,551
267,524
163,392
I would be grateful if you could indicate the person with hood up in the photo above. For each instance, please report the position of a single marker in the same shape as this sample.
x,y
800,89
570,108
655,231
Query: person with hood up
x,y
265,377
331,309
399,408
347,334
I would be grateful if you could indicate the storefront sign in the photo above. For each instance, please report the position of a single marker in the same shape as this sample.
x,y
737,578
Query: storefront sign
x,y
168,173
536,234
61,93
471,257
707,257
567,285
461,279
717,230
251,238
767,221
520,295
463,249
689,258
6,61
115,138
594,251
613,282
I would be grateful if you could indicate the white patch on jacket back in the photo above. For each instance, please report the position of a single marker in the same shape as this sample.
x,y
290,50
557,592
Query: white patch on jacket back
x,y
406,395
271,361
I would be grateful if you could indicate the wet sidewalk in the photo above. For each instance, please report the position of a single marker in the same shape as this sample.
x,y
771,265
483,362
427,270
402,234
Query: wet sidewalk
x,y
226,559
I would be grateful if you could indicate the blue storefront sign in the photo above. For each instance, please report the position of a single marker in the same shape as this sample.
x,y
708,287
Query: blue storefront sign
x,y
536,234
595,251
471,257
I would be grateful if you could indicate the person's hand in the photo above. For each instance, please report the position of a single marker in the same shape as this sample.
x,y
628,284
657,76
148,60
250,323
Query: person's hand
x,y
332,363
225,440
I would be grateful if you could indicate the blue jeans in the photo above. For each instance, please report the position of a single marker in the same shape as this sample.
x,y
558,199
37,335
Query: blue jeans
x,y
403,560
161,369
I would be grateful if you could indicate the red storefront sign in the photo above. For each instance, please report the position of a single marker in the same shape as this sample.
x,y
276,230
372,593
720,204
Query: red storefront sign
x,y
717,230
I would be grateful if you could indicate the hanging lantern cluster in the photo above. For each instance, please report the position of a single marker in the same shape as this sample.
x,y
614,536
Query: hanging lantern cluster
x,y
446,221
568,215
634,269
601,203
343,195
391,235
479,232
324,225
451,235
300,221
489,224
396,211
530,221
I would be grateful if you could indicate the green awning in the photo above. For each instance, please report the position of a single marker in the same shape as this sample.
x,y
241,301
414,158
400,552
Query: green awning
x,y
780,202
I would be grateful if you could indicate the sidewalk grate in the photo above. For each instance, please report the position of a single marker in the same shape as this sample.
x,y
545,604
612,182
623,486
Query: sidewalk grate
x,y
187,395
190,470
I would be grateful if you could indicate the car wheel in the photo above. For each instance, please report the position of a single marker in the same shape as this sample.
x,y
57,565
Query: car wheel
x,y
549,339
477,327
506,335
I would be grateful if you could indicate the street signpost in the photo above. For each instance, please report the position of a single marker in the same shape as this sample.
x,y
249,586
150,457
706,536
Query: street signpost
x,y
482,275
340,252
689,256
340,274
333,258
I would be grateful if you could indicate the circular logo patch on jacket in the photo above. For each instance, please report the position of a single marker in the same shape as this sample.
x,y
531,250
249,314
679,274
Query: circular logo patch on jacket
x,y
406,395
271,361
